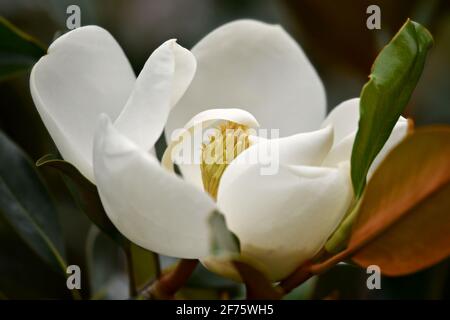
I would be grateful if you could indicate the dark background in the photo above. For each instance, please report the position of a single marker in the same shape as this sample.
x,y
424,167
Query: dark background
x,y
333,35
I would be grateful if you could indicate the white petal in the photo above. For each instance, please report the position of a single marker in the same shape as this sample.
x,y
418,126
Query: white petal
x,y
343,150
344,118
235,115
397,135
85,73
191,138
284,219
150,206
259,68
163,80
306,149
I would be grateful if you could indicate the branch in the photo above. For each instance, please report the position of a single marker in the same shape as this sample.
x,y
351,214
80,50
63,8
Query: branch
x,y
257,285
310,269
169,283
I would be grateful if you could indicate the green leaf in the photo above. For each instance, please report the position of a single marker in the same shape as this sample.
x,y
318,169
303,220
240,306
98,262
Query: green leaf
x,y
106,267
145,265
203,278
23,274
85,193
394,76
27,207
224,243
12,69
403,223
18,50
304,291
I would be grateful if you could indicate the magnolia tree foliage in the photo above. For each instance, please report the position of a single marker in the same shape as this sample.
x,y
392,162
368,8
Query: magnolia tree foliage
x,y
359,184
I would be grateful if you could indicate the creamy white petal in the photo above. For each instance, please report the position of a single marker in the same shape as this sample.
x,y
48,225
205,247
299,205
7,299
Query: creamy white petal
x,y
344,118
343,150
186,156
259,68
84,73
397,135
149,205
233,114
163,80
284,219
306,149
189,140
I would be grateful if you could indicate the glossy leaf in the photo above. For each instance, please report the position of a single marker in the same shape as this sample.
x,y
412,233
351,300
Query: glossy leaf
x,y
23,274
404,222
394,76
304,291
86,195
203,278
106,267
27,207
145,265
18,50
224,243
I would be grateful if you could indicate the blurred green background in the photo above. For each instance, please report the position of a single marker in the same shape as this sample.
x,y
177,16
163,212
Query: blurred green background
x,y
335,38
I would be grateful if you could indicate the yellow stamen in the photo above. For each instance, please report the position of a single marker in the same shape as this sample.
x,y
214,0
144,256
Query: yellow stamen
x,y
224,146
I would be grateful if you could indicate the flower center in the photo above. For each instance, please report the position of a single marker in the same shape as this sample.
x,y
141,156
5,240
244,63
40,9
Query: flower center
x,y
227,142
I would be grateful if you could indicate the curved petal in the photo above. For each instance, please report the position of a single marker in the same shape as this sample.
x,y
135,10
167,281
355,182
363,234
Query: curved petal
x,y
233,114
85,73
343,150
161,83
150,206
397,135
188,141
284,219
306,149
257,67
344,118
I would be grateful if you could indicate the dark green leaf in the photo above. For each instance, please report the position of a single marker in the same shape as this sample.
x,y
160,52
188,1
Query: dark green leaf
x,y
23,274
203,278
18,50
394,76
86,195
26,205
145,265
106,266
12,69
224,243
304,291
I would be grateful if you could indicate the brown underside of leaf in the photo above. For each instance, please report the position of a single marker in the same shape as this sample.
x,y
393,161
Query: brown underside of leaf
x,y
404,219
403,249
403,224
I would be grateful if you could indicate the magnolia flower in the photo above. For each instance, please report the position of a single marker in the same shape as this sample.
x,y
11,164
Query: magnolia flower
x,y
245,74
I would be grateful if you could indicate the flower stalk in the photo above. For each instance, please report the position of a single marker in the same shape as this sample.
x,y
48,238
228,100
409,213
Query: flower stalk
x,y
168,284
